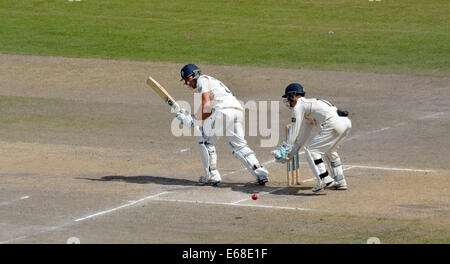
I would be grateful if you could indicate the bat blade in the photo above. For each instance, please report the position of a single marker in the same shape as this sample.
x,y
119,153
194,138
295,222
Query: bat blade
x,y
162,93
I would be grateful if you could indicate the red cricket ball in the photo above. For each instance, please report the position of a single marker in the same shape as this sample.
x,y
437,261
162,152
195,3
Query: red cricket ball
x,y
254,196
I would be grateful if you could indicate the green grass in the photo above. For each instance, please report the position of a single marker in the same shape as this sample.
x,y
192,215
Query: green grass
x,y
405,36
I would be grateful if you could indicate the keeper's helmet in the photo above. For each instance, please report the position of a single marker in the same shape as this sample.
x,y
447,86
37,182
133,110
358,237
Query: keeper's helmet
x,y
291,90
190,70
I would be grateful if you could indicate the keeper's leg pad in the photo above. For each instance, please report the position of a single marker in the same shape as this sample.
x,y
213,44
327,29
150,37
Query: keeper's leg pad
x,y
248,158
335,164
316,164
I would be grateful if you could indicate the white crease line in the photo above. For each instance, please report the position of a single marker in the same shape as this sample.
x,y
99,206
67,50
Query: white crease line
x,y
378,130
48,229
282,188
14,239
243,200
432,115
246,199
230,204
380,168
233,172
309,180
81,219
15,200
267,163
274,207
369,133
387,168
346,167
234,204
120,207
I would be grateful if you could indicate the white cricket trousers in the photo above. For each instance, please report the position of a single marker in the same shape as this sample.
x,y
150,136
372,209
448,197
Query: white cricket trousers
x,y
325,144
229,122
330,135
226,122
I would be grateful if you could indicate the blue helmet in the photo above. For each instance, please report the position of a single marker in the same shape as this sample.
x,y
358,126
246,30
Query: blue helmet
x,y
188,70
293,89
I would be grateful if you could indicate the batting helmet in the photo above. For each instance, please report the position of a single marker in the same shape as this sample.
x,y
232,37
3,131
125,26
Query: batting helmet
x,y
188,70
293,88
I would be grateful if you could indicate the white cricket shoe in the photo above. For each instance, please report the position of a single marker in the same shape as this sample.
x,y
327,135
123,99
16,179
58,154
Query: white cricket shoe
x,y
322,183
261,173
340,185
213,180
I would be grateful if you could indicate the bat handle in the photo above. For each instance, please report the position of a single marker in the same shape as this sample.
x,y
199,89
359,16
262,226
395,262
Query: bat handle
x,y
175,106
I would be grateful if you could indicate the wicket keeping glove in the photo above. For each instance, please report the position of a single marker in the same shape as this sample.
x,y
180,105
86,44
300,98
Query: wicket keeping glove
x,y
281,155
185,118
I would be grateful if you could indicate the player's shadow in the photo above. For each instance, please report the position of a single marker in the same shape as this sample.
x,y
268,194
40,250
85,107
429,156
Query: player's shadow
x,y
251,188
145,180
248,187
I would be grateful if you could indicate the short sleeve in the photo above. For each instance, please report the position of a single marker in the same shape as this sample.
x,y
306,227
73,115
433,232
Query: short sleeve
x,y
203,85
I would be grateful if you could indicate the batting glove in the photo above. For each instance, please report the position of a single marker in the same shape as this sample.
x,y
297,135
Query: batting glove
x,y
185,118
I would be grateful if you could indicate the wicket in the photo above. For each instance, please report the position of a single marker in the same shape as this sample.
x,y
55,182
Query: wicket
x,y
292,166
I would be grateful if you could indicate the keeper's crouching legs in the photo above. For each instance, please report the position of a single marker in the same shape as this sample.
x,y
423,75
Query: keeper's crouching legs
x,y
318,168
336,169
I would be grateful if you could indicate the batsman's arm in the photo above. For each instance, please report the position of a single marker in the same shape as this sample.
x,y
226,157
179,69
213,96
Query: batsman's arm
x,y
205,110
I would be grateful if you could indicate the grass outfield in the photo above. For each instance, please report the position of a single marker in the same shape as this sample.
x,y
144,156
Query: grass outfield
x,y
403,36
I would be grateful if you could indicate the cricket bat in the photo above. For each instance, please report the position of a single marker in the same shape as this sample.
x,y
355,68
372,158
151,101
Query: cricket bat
x,y
162,93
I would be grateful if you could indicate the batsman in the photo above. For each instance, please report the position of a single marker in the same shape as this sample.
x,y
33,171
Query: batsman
x,y
319,127
220,112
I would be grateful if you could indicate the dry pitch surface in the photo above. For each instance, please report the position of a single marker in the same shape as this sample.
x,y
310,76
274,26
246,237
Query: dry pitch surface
x,y
86,152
